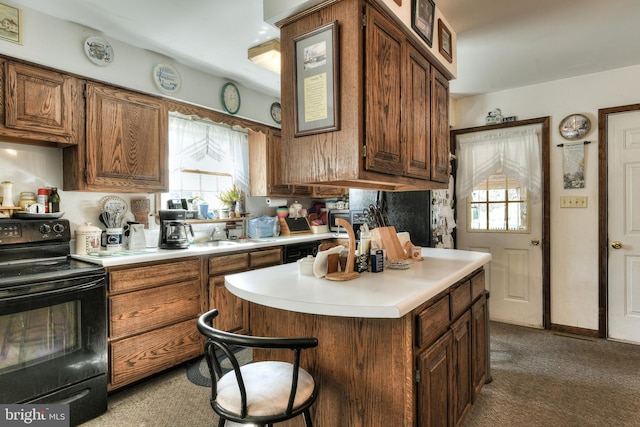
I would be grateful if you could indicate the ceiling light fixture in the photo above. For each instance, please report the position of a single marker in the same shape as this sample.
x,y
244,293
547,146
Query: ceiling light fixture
x,y
267,55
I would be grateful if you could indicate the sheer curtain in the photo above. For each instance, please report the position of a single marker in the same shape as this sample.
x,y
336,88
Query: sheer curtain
x,y
514,152
199,145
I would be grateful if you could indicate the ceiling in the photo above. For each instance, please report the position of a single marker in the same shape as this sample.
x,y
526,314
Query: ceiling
x,y
501,44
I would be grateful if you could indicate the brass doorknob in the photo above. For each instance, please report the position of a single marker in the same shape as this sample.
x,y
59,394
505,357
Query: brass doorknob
x,y
535,242
616,245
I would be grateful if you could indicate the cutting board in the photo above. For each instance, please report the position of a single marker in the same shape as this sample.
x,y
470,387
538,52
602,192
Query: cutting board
x,y
387,239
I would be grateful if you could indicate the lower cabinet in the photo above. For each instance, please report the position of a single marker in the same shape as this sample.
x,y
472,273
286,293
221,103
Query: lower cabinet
x,y
451,353
233,311
153,310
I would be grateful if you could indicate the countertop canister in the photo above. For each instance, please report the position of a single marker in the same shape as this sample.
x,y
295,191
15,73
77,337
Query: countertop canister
x,y
88,239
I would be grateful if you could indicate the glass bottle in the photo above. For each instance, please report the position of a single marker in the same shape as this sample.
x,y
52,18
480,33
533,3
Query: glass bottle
x,y
27,198
54,200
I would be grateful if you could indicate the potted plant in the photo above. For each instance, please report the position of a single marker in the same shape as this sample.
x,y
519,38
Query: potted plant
x,y
230,197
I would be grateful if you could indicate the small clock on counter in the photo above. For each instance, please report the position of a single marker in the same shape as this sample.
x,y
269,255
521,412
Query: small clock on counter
x,y
230,98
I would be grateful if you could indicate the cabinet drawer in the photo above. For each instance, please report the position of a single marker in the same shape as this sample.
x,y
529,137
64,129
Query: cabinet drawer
x,y
137,357
432,322
228,263
144,310
477,285
460,298
153,275
265,258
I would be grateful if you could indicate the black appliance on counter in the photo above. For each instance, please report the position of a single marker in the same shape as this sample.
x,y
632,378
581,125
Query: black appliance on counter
x,y
53,320
295,251
174,231
406,210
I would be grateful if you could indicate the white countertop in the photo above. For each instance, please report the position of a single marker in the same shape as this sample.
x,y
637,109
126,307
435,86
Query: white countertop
x,y
389,294
156,254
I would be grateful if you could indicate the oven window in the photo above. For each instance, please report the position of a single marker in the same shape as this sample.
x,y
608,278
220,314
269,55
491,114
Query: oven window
x,y
35,336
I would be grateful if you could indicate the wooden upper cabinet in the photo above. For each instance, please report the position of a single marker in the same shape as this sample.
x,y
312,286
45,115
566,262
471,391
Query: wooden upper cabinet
x,y
416,104
265,163
41,105
126,141
440,165
392,108
383,80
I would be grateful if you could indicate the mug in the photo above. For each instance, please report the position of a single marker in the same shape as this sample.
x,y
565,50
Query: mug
x,y
114,239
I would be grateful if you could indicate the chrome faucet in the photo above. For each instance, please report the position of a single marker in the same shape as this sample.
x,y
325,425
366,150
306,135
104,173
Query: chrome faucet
x,y
217,234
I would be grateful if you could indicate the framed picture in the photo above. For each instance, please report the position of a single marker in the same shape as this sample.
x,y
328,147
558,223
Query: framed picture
x,y
10,24
316,85
445,45
422,13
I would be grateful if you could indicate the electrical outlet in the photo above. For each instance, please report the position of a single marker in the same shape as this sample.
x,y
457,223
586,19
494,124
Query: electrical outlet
x,y
573,201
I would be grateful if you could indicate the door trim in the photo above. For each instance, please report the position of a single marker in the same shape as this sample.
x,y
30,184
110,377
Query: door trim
x,y
603,216
546,211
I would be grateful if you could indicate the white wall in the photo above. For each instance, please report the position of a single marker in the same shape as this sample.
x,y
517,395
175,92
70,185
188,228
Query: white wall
x,y
574,232
59,44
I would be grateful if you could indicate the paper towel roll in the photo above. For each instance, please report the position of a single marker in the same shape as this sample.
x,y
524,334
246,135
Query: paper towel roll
x,y
276,202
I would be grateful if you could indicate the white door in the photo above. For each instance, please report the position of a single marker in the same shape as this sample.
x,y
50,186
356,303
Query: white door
x,y
623,142
514,275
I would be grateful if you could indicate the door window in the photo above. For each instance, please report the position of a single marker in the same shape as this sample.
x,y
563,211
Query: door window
x,y
498,204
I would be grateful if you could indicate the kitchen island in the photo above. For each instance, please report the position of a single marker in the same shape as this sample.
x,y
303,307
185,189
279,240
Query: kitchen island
x,y
397,348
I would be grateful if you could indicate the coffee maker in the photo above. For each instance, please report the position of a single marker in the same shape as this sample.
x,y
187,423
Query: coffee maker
x,y
174,232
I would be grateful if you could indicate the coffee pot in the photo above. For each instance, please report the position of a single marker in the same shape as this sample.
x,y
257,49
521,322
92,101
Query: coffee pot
x,y
175,233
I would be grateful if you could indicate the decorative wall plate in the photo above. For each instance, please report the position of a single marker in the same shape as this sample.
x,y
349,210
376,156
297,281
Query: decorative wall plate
x,y
98,50
276,112
574,126
167,78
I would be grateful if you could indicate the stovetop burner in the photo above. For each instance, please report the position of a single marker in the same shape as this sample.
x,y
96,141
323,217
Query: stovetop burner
x,y
36,250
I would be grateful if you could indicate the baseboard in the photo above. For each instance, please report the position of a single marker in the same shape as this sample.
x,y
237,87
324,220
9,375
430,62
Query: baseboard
x,y
593,333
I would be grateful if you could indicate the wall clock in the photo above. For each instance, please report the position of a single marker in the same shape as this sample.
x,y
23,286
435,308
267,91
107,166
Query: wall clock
x,y
230,98
574,126
276,112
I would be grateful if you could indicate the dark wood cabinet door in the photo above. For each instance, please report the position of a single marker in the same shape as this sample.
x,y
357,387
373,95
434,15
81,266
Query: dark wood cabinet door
x,y
234,311
479,354
275,187
461,364
126,144
416,106
440,128
42,104
434,403
383,68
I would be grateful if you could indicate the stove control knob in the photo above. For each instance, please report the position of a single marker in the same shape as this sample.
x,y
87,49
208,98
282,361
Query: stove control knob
x,y
45,228
58,228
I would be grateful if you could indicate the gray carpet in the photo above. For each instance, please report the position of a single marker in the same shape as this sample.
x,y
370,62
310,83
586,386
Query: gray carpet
x,y
540,378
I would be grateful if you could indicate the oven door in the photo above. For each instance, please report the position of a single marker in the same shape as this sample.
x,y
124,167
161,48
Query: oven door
x,y
53,337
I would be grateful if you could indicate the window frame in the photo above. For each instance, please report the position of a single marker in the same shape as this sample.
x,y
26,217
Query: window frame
x,y
506,202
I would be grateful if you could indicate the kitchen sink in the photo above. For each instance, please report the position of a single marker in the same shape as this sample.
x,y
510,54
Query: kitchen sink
x,y
216,243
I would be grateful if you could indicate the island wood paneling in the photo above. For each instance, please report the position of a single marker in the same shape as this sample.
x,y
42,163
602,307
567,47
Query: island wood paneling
x,y
363,367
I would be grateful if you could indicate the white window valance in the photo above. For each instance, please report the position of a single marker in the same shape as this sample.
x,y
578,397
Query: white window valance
x,y
209,147
514,152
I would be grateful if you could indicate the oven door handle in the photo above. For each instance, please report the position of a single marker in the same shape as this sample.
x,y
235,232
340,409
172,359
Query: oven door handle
x,y
48,288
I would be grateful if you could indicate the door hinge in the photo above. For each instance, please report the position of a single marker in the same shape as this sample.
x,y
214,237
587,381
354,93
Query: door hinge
x,y
417,375
364,19
364,150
